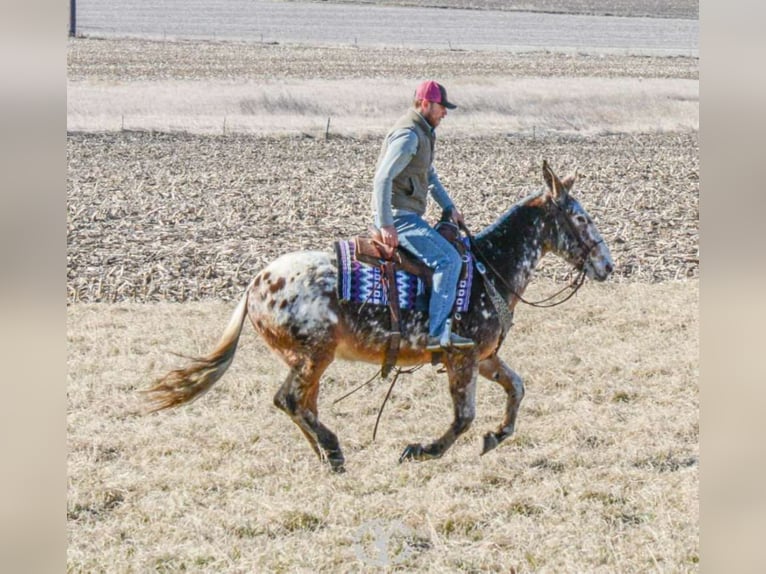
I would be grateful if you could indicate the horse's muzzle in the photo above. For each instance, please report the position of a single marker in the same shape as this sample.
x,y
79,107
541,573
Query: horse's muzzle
x,y
599,272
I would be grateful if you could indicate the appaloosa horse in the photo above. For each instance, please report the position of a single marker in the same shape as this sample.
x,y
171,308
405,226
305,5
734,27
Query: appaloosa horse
x,y
294,305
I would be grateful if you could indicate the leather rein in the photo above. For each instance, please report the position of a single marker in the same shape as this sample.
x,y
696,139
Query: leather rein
x,y
574,285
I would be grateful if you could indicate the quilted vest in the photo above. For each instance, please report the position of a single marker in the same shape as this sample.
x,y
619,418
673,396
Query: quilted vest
x,y
410,188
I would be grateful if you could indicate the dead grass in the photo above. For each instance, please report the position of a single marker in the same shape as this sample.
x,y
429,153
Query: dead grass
x,y
236,88
583,106
602,474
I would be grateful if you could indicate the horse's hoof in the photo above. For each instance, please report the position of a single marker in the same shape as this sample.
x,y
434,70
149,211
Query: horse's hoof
x,y
412,452
490,442
337,464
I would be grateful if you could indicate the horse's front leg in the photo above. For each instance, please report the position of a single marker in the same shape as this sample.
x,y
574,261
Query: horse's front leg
x,y
462,370
494,369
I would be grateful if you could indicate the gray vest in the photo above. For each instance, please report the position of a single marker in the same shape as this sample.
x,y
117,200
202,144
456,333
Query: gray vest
x,y
410,188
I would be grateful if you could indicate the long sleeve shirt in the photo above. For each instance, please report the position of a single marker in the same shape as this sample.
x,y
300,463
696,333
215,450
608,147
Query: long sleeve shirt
x,y
402,146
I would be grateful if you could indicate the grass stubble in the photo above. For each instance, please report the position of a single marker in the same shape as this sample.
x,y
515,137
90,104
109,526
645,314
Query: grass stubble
x,y
601,475
602,472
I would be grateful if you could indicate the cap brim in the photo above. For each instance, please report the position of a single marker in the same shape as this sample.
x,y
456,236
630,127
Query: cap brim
x,y
449,105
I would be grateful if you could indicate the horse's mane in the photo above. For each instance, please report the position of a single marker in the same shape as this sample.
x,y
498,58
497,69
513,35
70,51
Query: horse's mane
x,y
508,214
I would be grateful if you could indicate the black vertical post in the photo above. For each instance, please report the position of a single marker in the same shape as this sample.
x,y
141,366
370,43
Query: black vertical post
x,y
73,18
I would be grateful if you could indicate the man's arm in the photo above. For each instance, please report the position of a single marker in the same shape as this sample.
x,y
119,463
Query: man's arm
x,y
437,190
402,145
440,195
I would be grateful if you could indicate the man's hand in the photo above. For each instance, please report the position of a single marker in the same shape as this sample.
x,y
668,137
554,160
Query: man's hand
x,y
457,217
389,236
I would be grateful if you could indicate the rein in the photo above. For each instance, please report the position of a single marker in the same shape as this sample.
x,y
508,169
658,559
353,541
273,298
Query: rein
x,y
574,285
399,371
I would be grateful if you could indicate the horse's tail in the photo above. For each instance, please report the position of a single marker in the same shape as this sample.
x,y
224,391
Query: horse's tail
x,y
188,383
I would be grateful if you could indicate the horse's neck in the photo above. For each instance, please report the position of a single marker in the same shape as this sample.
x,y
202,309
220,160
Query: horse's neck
x,y
512,248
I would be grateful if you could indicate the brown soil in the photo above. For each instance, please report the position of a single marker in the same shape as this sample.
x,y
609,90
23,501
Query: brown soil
x,y
176,216
127,60
182,217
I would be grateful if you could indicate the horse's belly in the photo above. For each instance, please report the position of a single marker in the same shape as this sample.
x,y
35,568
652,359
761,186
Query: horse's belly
x,y
375,355
364,333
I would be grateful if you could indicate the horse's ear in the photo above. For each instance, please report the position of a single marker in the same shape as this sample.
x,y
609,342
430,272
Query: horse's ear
x,y
557,189
569,180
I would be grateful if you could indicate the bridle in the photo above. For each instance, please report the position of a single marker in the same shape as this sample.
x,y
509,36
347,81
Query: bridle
x,y
585,248
574,285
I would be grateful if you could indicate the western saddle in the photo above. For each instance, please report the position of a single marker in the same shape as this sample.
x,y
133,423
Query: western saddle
x,y
371,250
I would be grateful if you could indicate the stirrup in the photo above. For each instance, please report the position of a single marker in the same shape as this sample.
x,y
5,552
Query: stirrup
x,y
454,342
434,344
458,342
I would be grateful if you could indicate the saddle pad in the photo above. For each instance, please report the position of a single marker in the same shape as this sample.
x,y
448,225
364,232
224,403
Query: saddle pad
x,y
363,283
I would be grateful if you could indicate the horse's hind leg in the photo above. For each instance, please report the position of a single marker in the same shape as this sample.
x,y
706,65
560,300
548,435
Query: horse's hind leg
x,y
461,368
494,369
298,398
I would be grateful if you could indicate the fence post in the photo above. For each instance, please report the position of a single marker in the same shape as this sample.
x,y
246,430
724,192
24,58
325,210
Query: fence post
x,y
72,18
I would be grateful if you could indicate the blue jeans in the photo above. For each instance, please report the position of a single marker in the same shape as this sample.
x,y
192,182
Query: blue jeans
x,y
423,241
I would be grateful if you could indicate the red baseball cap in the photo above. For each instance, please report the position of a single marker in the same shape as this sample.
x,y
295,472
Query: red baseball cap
x,y
431,91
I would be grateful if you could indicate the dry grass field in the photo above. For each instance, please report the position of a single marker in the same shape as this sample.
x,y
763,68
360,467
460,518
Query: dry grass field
x,y
166,228
602,474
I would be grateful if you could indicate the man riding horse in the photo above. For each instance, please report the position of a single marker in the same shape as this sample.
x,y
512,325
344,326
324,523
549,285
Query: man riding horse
x,y
403,178
298,307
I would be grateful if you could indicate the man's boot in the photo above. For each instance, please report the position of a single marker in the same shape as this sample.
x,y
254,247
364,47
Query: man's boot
x,y
449,339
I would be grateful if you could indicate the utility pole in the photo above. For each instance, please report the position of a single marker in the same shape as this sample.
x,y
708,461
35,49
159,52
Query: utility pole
x,y
72,18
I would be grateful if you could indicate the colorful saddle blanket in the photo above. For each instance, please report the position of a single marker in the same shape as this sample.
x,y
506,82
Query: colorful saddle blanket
x,y
362,283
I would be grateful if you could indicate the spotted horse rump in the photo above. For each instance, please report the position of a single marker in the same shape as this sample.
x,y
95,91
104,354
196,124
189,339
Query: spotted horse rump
x,y
294,304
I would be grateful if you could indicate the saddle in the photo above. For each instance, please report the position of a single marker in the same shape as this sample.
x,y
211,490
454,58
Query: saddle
x,y
371,250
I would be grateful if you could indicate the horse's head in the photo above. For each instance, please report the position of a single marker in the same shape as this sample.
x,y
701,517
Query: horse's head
x,y
576,238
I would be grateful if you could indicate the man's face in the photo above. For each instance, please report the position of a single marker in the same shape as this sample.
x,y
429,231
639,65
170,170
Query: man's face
x,y
433,112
